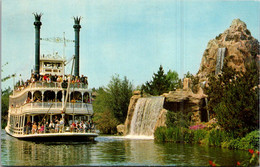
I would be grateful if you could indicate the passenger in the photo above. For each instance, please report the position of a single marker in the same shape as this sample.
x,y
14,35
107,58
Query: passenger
x,y
28,127
37,77
93,127
41,130
46,127
32,78
57,127
49,79
41,78
84,127
77,79
78,127
88,126
72,127
39,127
61,126
82,79
34,128
45,78
52,127
59,79
56,120
28,100
81,126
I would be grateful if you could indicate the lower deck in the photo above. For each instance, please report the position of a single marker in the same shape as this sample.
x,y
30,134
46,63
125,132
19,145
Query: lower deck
x,y
65,136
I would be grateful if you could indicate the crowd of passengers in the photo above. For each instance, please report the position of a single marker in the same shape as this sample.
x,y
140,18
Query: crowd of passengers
x,y
48,78
59,126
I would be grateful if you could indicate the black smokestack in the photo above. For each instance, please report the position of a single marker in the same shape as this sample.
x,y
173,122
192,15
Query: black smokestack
x,y
76,29
37,25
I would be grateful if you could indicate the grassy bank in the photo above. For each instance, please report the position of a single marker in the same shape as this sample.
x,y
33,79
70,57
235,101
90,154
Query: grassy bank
x,y
214,137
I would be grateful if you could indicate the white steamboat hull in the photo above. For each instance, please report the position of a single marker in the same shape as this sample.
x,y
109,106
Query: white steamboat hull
x,y
66,136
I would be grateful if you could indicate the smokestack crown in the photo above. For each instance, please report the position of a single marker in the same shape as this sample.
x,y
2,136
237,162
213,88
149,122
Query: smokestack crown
x,y
37,19
77,22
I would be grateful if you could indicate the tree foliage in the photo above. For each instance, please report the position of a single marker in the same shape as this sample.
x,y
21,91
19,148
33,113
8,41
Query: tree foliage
x,y
233,97
5,105
173,78
111,104
161,82
178,119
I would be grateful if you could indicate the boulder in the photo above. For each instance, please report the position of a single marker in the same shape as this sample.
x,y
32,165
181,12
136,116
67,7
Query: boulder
x,y
137,92
120,129
186,83
161,119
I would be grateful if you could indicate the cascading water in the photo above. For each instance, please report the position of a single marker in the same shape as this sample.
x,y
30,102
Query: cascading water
x,y
146,113
220,60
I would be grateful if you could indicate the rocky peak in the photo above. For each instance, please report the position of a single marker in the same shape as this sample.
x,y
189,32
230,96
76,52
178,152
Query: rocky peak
x,y
237,24
240,47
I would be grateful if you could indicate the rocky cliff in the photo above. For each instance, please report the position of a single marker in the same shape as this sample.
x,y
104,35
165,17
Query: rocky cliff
x,y
235,46
184,100
240,48
130,112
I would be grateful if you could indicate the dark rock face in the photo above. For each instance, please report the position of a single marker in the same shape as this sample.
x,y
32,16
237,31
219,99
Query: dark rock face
x,y
186,101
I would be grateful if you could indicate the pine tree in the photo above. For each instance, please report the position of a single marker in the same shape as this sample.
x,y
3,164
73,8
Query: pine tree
x,y
158,85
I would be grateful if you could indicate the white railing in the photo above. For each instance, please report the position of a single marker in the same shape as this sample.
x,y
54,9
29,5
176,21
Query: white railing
x,y
40,84
57,85
56,105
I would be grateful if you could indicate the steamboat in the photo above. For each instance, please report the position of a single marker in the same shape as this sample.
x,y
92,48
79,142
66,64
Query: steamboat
x,y
52,106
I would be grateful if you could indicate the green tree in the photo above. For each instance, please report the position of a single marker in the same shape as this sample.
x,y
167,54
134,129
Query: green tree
x,y
188,75
158,85
111,104
233,97
5,105
172,77
119,94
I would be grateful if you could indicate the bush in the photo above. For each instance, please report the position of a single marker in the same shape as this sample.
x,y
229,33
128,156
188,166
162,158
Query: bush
x,y
178,119
250,141
199,135
216,137
233,97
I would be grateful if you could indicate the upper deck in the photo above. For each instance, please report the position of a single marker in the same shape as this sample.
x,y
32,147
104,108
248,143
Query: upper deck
x,y
52,64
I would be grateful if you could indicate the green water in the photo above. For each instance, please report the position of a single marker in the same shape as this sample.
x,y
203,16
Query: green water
x,y
109,150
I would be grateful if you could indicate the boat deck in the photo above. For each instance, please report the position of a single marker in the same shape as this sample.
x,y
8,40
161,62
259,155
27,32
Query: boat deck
x,y
66,136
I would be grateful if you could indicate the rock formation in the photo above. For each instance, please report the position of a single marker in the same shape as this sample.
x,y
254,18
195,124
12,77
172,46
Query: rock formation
x,y
131,108
240,48
161,119
186,101
235,46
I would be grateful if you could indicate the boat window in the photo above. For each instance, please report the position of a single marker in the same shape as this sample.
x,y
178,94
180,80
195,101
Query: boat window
x,y
37,96
49,96
76,96
86,98
59,96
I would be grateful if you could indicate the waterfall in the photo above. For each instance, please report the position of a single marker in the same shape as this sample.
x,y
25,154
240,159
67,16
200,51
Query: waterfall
x,y
146,113
220,60
206,101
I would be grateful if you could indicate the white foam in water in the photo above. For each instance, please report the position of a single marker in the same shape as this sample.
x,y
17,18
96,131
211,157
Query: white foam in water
x,y
139,137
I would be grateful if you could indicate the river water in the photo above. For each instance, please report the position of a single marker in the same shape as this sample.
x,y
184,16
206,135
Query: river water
x,y
111,150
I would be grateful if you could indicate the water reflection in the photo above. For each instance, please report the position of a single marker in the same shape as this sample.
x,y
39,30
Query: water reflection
x,y
112,151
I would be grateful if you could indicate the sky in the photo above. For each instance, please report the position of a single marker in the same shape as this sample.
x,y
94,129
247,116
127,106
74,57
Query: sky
x,y
131,38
